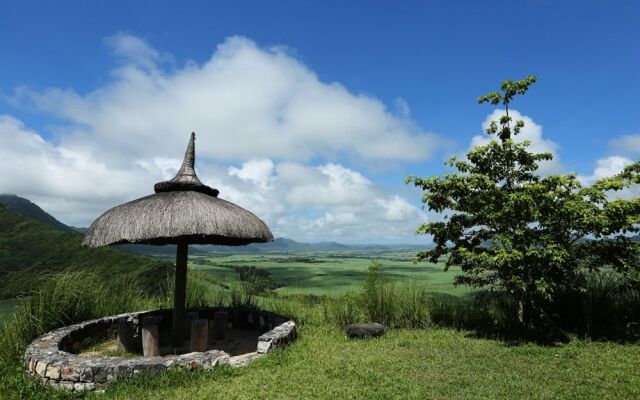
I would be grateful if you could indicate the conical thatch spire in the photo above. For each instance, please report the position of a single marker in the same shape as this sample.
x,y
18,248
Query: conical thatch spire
x,y
186,172
186,178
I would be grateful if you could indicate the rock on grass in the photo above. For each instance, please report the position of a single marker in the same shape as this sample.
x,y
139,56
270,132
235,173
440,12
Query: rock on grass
x,y
364,330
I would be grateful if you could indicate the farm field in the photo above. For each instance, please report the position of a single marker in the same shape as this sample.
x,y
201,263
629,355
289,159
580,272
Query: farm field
x,y
330,273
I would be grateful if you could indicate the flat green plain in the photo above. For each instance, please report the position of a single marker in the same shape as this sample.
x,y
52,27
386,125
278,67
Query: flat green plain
x,y
331,273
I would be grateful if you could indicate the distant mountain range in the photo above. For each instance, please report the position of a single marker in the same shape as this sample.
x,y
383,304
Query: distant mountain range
x,y
28,209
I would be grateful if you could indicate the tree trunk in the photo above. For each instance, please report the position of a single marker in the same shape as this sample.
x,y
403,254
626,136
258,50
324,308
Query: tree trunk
x,y
521,297
521,311
180,295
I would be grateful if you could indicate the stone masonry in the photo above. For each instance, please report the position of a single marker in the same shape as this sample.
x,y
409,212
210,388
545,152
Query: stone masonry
x,y
50,359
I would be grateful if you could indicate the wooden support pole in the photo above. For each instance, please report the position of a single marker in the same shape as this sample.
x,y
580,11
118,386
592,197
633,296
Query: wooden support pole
x,y
180,295
199,334
126,342
150,341
220,319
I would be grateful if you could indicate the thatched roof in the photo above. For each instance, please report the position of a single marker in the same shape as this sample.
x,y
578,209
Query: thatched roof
x,y
184,210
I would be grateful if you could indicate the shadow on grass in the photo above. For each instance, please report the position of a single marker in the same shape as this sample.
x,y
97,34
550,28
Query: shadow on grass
x,y
611,316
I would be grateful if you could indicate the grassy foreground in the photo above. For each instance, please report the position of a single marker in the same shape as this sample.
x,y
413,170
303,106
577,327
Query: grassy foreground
x,y
432,362
416,364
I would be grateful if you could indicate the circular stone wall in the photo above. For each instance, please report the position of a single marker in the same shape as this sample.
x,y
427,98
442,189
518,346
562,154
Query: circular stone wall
x,y
53,360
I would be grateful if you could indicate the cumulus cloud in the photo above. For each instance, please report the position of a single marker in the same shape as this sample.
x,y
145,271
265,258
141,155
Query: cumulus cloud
x,y
614,164
244,102
323,202
606,167
629,144
133,50
270,135
531,132
72,183
609,166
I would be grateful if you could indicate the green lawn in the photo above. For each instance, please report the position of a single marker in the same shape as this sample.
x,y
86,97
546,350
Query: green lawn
x,y
409,364
330,274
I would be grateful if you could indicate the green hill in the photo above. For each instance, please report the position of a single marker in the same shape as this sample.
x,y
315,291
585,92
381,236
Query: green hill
x,y
30,249
26,208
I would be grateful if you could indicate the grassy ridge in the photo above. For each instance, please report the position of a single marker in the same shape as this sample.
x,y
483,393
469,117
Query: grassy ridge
x,y
30,250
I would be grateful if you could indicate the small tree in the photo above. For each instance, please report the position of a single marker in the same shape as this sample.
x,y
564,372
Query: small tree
x,y
531,236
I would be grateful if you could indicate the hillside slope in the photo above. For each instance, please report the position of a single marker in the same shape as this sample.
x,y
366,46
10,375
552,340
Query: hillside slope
x,y
30,249
26,208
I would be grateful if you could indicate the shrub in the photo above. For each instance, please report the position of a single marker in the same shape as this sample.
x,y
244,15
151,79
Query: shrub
x,y
343,310
380,300
258,281
608,308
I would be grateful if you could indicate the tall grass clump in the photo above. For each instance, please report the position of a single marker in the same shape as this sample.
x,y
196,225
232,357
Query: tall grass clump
x,y
402,305
241,295
488,313
411,306
380,299
63,299
202,291
343,310
302,308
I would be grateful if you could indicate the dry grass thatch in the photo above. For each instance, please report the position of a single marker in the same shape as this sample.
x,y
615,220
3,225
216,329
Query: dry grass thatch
x,y
183,210
180,216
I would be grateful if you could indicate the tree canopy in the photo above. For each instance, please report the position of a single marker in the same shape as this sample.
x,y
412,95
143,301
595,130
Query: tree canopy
x,y
512,229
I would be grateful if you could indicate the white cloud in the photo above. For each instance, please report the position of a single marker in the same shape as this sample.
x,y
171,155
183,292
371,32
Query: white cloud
x,y
60,178
605,167
609,166
531,132
330,185
627,144
258,171
261,116
133,50
324,202
397,209
244,102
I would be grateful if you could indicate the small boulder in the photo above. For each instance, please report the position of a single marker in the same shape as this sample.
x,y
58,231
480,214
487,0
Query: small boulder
x,y
364,330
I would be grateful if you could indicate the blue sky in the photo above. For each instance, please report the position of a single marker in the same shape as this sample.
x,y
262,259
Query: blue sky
x,y
414,67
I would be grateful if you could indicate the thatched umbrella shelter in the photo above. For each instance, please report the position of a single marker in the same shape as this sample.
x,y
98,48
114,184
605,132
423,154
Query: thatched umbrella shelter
x,y
182,211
